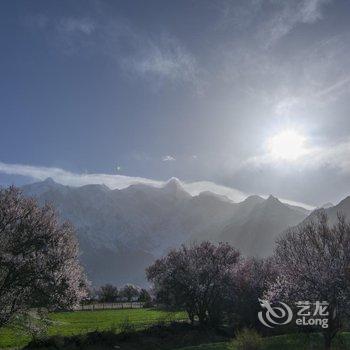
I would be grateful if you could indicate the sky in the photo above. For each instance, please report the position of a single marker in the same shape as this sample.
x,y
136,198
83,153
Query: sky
x,y
251,95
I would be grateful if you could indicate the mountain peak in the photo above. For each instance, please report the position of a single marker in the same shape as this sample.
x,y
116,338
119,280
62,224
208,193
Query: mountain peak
x,y
49,181
272,198
38,188
253,199
327,205
173,184
210,195
96,187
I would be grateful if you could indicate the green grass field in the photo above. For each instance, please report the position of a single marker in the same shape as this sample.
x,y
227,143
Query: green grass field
x,y
79,322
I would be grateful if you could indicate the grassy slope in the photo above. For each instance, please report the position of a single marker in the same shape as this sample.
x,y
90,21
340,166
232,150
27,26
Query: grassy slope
x,y
69,323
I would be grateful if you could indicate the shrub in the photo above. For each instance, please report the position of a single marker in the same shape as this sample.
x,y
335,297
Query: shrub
x,y
126,326
248,339
34,323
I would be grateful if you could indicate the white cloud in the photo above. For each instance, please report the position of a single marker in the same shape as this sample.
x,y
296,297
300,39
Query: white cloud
x,y
311,10
120,181
165,58
269,20
287,15
168,159
73,25
160,57
201,186
336,156
73,179
334,88
285,107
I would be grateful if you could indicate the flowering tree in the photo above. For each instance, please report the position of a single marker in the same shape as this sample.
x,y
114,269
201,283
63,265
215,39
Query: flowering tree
x,y
197,278
38,258
314,264
252,279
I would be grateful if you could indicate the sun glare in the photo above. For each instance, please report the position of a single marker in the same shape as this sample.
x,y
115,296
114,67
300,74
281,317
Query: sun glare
x,y
287,145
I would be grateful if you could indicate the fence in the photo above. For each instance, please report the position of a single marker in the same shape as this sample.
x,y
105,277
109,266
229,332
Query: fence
x,y
109,306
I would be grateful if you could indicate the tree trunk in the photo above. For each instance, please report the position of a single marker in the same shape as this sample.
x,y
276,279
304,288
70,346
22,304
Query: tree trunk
x,y
191,317
327,341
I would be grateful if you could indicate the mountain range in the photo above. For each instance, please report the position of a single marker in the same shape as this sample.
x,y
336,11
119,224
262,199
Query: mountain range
x,y
121,232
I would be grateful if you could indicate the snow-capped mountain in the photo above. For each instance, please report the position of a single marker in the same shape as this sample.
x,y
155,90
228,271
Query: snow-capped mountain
x,y
121,232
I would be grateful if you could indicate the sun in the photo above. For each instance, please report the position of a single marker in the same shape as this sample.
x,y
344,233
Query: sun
x,y
287,145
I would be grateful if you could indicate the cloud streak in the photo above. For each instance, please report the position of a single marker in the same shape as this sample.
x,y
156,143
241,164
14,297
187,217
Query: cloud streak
x,y
287,15
168,159
76,25
160,57
120,181
73,179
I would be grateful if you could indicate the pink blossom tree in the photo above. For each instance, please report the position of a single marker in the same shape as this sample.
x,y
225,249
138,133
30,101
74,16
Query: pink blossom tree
x,y
39,265
197,278
314,265
252,279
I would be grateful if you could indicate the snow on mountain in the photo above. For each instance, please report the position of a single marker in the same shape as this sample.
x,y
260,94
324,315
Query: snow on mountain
x,y
122,231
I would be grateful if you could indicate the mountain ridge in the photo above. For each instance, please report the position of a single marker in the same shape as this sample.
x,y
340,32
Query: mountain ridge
x,y
122,231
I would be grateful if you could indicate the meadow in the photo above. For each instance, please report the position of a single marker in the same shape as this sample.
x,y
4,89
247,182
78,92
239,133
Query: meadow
x,y
80,322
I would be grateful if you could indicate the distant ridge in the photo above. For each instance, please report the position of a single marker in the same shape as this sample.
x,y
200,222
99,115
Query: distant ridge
x,y
122,231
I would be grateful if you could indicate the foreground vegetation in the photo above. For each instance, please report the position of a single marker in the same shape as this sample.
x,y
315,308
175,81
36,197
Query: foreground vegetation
x,y
183,336
285,342
147,329
81,322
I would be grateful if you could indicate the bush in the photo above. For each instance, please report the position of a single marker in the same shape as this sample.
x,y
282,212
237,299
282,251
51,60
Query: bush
x,y
126,326
34,323
248,339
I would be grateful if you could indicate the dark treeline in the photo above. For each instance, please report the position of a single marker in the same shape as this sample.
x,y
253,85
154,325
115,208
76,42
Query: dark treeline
x,y
110,293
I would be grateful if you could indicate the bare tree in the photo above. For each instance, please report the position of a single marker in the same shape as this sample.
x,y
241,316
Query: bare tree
x,y
197,278
314,264
38,258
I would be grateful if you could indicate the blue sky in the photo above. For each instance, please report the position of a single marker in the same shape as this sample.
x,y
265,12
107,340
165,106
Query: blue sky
x,y
192,89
